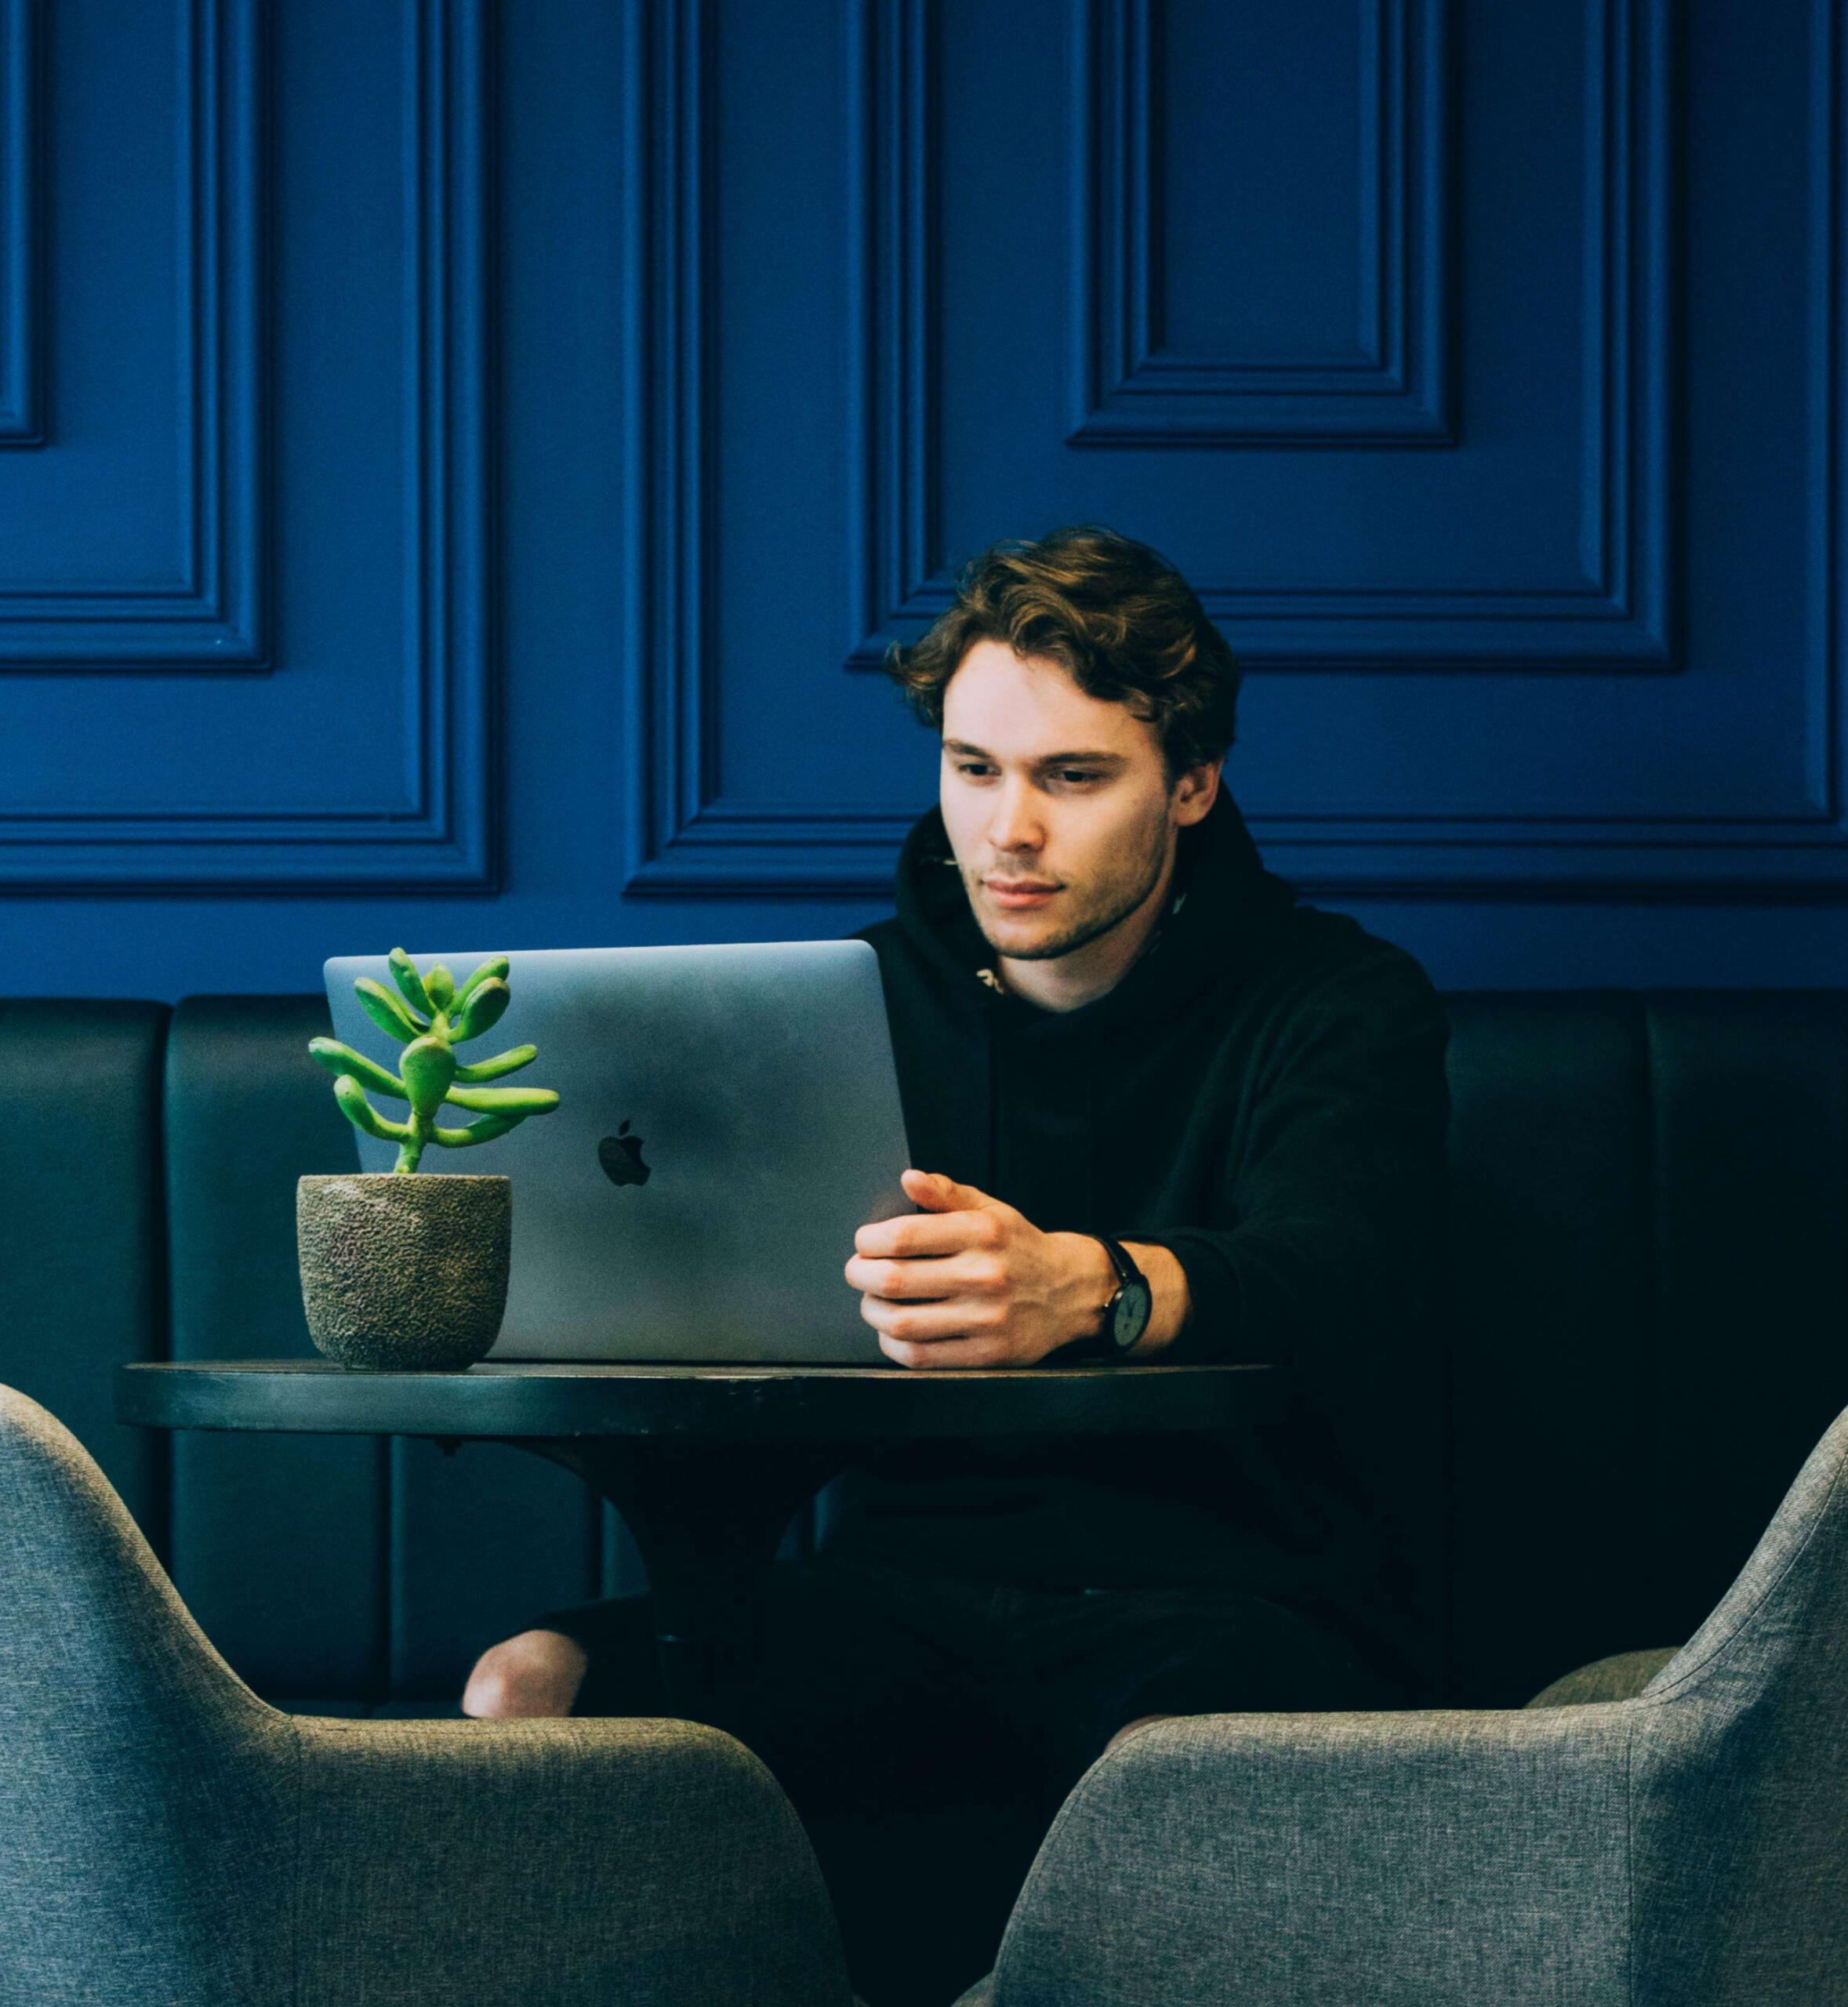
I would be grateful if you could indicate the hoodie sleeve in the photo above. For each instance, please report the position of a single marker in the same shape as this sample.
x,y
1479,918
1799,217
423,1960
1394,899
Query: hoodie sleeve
x,y
1332,1254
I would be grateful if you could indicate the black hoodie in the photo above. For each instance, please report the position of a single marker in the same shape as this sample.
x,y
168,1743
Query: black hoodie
x,y
1263,1092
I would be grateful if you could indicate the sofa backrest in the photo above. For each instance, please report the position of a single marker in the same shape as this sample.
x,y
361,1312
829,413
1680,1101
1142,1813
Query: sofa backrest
x,y
147,1211
1649,1216
1649,1208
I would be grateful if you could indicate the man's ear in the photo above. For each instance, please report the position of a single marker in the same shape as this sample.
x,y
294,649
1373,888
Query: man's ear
x,y
1196,790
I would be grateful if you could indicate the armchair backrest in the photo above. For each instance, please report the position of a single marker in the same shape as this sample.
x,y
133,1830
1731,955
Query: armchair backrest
x,y
167,1837
1741,1771
1780,1634
133,1817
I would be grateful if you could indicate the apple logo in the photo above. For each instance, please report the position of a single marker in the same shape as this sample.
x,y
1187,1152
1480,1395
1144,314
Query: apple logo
x,y
620,1155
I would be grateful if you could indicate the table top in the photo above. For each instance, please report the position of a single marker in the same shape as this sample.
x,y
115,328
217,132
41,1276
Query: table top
x,y
794,1403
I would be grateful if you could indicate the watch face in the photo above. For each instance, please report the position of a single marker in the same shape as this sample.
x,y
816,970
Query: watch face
x,y
1133,1302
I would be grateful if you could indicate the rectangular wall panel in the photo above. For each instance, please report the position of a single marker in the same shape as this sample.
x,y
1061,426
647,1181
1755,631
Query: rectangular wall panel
x,y
195,597
360,755
1494,671
1325,306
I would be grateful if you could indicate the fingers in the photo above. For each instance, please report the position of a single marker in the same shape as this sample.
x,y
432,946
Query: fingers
x,y
931,1233
958,1317
935,1285
948,1355
942,1194
971,1272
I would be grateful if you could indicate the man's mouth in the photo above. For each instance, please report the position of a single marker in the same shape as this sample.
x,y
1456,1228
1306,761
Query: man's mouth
x,y
1019,893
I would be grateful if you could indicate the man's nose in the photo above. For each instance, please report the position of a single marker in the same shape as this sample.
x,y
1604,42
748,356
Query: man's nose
x,y
1016,824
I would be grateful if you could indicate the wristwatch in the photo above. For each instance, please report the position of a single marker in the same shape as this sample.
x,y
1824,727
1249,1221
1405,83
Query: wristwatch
x,y
1125,1316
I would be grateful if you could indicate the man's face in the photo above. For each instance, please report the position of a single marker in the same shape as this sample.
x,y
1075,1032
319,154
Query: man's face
x,y
1057,805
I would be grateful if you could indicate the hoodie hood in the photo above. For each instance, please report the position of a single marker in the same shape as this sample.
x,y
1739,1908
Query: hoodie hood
x,y
1224,911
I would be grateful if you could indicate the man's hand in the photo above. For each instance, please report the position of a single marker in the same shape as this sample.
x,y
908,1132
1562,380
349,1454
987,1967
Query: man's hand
x,y
972,1282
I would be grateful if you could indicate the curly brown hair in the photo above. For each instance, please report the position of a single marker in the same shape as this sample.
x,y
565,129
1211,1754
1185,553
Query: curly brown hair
x,y
1120,618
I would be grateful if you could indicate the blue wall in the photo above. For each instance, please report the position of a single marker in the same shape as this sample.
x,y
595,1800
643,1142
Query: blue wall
x,y
457,470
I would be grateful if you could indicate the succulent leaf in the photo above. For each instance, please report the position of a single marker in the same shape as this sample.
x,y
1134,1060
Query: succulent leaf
x,y
493,970
510,1061
428,1066
339,1058
362,1115
429,1069
483,1010
523,1101
483,1131
404,973
396,1019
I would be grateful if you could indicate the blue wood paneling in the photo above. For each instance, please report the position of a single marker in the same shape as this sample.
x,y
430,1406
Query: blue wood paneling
x,y
133,531
268,371
1259,237
460,466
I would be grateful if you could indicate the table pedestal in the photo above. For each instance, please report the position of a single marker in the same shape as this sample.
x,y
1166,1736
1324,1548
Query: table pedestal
x,y
706,1463
708,1518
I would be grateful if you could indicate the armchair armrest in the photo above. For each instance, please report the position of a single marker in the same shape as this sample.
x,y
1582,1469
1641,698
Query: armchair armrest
x,y
1414,1860
625,1863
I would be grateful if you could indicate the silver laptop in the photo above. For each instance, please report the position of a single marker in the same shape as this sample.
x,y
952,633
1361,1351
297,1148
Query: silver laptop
x,y
728,1116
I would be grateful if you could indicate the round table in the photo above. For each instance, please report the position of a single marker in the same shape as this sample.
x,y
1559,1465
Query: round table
x,y
705,1464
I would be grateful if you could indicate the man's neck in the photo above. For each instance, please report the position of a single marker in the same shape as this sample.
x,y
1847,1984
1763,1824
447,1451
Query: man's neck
x,y
1067,982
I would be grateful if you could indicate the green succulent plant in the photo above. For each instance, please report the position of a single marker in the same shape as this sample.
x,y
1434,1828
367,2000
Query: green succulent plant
x,y
429,1019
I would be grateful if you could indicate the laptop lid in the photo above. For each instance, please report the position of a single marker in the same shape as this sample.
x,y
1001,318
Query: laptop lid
x,y
728,1116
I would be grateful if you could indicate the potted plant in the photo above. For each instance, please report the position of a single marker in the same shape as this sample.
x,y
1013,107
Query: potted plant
x,y
398,1270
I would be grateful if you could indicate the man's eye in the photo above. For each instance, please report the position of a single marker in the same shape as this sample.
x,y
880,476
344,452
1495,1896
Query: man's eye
x,y
1077,774
971,767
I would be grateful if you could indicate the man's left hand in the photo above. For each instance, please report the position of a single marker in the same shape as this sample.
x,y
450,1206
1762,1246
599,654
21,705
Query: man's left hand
x,y
972,1282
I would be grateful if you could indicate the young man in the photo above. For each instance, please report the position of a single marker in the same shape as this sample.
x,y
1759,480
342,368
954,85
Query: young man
x,y
1161,1111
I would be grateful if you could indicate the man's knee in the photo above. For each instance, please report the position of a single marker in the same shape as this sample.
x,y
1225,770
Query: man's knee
x,y
537,1673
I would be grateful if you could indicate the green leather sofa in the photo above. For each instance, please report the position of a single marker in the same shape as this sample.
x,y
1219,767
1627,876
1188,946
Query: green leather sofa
x,y
1649,1201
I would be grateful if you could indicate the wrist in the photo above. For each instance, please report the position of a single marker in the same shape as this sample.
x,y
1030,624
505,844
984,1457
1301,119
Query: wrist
x,y
1119,1305
1091,1281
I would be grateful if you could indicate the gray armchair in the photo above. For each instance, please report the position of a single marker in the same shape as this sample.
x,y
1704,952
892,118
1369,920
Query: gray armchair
x,y
1668,1829
167,1837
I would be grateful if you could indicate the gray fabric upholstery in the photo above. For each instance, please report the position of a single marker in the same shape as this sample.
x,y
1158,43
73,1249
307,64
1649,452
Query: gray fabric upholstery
x,y
1684,1847
1618,1678
169,1838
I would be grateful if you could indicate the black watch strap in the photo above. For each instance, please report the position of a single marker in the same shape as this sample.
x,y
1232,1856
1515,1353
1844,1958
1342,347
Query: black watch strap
x,y
1132,1285
1126,1270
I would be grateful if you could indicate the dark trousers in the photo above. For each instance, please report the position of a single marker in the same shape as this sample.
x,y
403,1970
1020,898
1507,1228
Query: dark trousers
x,y
879,1687
928,1730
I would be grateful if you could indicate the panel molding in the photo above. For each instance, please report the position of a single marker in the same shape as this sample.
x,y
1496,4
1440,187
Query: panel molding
x,y
892,276
210,616
21,307
679,837
1394,389
1620,615
686,843
666,527
438,833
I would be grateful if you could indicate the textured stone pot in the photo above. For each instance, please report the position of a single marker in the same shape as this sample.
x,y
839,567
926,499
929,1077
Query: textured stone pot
x,y
404,1271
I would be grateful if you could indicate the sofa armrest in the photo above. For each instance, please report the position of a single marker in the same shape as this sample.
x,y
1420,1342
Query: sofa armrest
x,y
1414,1860
625,1863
